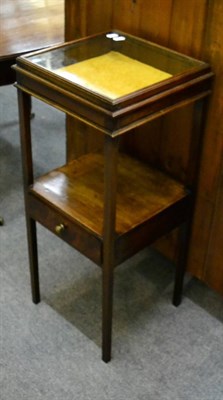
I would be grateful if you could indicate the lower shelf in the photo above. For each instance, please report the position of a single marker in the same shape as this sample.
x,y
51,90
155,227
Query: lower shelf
x,y
149,203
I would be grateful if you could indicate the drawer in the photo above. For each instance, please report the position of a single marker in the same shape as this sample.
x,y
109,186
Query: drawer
x,y
72,233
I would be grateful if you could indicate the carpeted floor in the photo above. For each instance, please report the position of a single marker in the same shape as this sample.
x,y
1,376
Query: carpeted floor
x,y
51,351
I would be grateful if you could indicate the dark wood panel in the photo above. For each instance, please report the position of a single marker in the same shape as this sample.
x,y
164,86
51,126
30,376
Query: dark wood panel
x,y
204,259
187,27
86,17
193,27
150,20
213,268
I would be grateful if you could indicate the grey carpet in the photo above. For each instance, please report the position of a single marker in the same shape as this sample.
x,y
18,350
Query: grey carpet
x,y
51,351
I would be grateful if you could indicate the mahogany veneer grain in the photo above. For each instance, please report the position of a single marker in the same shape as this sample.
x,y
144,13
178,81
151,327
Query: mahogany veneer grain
x,y
27,26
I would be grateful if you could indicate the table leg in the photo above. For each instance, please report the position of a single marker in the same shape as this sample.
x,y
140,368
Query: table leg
x,y
24,101
184,238
110,185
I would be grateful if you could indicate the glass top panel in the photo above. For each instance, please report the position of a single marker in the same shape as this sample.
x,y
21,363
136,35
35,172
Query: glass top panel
x,y
114,64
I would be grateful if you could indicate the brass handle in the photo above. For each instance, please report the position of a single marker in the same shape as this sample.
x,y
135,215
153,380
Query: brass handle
x,y
59,229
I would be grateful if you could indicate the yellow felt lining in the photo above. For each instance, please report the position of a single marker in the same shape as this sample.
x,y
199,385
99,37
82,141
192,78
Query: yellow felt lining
x,y
112,74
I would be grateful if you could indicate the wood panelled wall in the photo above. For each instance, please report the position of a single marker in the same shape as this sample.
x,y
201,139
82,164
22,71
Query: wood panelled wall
x,y
194,27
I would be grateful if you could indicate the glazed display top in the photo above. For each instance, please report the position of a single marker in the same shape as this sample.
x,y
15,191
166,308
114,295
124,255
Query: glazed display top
x,y
113,65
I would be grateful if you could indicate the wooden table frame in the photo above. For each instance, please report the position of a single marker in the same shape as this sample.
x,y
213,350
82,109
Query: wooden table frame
x,y
107,247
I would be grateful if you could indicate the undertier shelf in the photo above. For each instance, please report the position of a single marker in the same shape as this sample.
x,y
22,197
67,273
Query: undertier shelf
x,y
77,189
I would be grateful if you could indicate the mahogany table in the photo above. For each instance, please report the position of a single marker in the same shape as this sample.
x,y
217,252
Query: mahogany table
x,y
108,204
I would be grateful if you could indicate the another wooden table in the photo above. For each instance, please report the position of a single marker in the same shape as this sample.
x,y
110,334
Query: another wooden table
x,y
26,26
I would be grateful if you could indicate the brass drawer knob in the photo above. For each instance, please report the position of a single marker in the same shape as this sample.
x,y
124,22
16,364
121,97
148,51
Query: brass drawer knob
x,y
59,229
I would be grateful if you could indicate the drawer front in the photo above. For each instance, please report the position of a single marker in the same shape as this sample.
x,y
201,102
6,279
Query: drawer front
x,y
72,233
